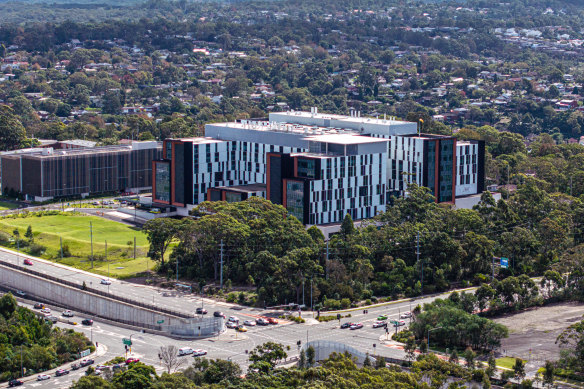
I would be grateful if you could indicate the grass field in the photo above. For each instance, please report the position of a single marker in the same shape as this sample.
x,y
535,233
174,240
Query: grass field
x,y
506,362
5,205
74,229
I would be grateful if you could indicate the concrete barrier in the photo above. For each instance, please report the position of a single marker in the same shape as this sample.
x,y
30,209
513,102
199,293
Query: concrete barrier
x,y
96,305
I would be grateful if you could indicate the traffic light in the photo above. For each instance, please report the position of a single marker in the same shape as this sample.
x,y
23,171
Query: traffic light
x,y
338,316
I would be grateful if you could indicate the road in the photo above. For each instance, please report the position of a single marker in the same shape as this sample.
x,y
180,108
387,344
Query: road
x,y
226,346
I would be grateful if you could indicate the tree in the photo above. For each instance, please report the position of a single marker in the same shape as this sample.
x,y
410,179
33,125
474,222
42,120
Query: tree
x,y
571,340
519,368
91,382
302,360
367,361
7,305
548,373
270,353
492,365
169,358
12,132
453,358
470,356
347,227
138,376
173,381
424,346
28,234
310,356
160,233
410,348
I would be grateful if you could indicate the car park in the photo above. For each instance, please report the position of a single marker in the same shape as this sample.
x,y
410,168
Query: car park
x,y
132,360
13,383
219,314
42,377
39,306
201,311
249,323
231,324
184,351
356,326
346,325
405,315
68,313
262,322
46,310
379,323
271,320
87,322
61,372
86,362
105,281
199,352
382,317
28,262
240,328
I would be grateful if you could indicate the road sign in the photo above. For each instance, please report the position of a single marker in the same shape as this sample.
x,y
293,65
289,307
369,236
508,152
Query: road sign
x,y
160,321
84,353
127,342
504,262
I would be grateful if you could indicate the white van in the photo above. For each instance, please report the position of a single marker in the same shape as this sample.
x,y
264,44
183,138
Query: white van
x,y
184,351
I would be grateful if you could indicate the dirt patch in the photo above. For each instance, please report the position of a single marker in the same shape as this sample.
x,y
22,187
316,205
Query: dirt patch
x,y
533,333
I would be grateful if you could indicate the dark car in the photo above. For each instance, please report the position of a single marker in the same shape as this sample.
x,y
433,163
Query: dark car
x,y
61,372
201,311
87,362
39,306
51,318
75,366
13,383
346,325
219,314
262,322
87,322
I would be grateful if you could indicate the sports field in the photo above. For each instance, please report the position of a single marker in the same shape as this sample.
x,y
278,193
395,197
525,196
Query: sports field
x,y
75,231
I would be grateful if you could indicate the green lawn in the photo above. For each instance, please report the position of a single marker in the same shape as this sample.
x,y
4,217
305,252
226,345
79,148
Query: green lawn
x,y
5,205
74,229
506,362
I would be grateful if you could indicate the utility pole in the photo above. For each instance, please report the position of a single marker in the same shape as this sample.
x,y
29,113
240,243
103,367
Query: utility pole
x,y
176,269
418,260
311,295
303,290
327,259
221,273
135,251
61,243
91,235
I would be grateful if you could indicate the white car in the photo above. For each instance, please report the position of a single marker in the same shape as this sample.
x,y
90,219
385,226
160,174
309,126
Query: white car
x,y
379,323
233,319
231,324
405,315
46,310
199,353
42,377
249,323
106,282
68,313
402,323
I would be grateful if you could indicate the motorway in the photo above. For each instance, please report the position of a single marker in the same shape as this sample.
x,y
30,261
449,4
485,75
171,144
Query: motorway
x,y
227,345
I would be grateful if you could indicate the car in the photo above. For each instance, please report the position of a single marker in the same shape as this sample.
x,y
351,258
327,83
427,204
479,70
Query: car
x,y
51,318
199,352
132,360
75,366
87,322
271,320
116,366
233,319
405,315
42,377
201,311
401,323
20,293
101,367
96,203
346,325
262,322
105,281
249,323
382,317
379,323
219,314
231,324
46,310
61,372
123,202
13,383
356,326
240,328
68,313
27,262
39,306
86,362
184,351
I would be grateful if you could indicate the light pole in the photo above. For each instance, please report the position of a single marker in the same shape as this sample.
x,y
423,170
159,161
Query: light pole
x,y
430,330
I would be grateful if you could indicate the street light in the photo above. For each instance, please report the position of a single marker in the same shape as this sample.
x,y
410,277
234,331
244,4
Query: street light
x,y
430,330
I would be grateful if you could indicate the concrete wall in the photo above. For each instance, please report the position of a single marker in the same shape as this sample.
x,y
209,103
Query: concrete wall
x,y
90,305
324,348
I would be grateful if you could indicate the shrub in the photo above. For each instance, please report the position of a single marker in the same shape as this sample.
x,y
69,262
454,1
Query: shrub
x,y
345,303
332,304
37,249
241,298
231,297
4,238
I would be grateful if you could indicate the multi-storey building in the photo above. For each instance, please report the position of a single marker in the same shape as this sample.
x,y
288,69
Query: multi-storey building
x,y
319,166
43,174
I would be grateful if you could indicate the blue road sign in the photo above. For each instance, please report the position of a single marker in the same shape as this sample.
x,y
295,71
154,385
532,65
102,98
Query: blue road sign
x,y
504,262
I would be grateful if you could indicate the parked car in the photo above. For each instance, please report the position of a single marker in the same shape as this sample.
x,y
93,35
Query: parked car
x,y
51,318
96,203
379,323
199,352
271,320
20,293
46,310
233,319
68,313
382,317
249,323
86,362
13,383
262,322
87,322
346,325
39,306
42,377
116,366
405,315
219,314
75,366
105,282
240,328
201,311
132,360
101,367
231,324
356,326
27,262
184,351
61,372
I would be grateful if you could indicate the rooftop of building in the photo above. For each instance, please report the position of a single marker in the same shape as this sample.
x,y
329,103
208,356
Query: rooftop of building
x,y
292,128
201,140
48,152
355,117
345,139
